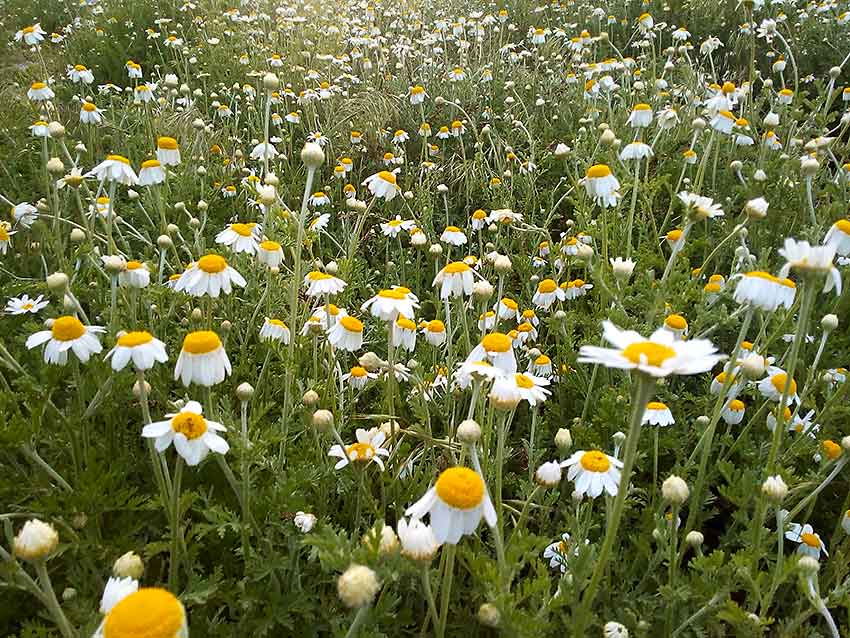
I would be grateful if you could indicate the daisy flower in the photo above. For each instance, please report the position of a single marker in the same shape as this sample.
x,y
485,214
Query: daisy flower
x,y
810,542
167,151
150,612
390,303
773,386
518,387
417,540
23,304
270,253
193,436
507,309
135,275
394,227
210,275
456,503
764,291
151,173
274,330
547,293
367,449
115,168
838,236
658,356
495,348
733,412
347,334
140,347
382,185
593,472
320,283
404,333
202,359
24,214
455,280
240,238
435,332
601,186
453,236
556,553
658,413
801,256
358,377
67,333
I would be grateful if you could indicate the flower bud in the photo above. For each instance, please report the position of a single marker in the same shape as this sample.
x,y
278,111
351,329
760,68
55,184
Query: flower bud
x,y
388,543
482,289
310,398
55,166
78,235
304,521
137,389
694,538
322,419
270,82
502,264
607,138
244,391
469,432
829,323
357,586
548,474
489,616
371,361
614,630
57,282
774,488
808,565
164,242
312,155
56,130
128,565
675,490
563,440
35,541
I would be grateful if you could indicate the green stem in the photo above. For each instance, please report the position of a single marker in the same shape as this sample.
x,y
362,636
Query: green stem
x,y
51,601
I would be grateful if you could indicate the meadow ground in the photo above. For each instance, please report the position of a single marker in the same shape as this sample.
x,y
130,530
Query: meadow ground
x,y
399,319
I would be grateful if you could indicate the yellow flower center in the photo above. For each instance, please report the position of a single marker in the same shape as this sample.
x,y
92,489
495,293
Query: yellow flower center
x,y
277,322
134,265
4,234
832,449
843,225
67,329
201,342
546,286
811,540
394,293
455,267
89,107
133,339
523,381
212,263
656,405
779,380
269,245
28,30
736,405
510,303
460,487
642,107
360,452
243,230
351,324
676,322
542,360
653,354
595,461
404,323
118,158
496,342
146,613
598,170
152,163
387,177
189,424
436,326
38,85
358,372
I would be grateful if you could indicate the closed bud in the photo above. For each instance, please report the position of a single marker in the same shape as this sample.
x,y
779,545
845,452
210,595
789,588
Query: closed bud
x,y
548,474
694,538
489,616
56,130
244,391
78,235
128,565
357,586
774,488
469,432
322,419
310,398
137,389
829,323
607,138
57,282
563,440
35,541
674,490
808,565
270,82
55,166
312,155
482,289
164,242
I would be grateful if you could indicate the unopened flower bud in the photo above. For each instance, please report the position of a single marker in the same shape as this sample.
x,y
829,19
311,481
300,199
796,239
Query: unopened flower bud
x,y
310,398
128,565
675,490
808,565
35,541
469,432
563,440
312,155
244,391
78,235
322,419
271,82
55,166
489,616
482,289
57,282
694,538
357,586
548,474
774,488
829,323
